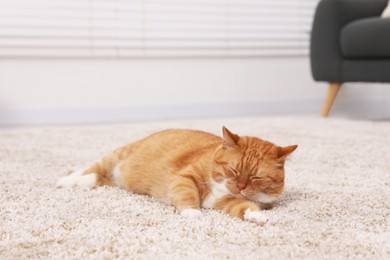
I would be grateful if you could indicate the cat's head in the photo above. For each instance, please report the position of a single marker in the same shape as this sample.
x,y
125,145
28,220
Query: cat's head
x,y
251,167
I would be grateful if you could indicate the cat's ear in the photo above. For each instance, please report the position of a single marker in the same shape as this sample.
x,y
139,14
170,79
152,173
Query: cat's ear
x,y
284,151
229,139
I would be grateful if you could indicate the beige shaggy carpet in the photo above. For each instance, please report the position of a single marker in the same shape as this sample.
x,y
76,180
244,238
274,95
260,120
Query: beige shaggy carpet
x,y
336,203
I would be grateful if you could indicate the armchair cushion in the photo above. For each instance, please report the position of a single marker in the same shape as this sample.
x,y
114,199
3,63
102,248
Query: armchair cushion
x,y
366,38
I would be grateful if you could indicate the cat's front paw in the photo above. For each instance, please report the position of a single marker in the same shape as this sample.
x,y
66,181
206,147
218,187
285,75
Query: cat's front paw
x,y
191,213
255,217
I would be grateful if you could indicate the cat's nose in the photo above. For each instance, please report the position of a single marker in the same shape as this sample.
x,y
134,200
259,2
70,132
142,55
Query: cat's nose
x,y
241,186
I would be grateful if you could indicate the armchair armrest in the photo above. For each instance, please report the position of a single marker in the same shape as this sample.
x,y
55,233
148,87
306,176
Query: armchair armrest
x,y
329,19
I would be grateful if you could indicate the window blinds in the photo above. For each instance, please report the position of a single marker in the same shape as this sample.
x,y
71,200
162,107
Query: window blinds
x,y
154,28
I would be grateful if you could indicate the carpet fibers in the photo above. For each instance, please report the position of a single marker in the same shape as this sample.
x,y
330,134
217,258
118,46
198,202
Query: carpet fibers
x,y
336,203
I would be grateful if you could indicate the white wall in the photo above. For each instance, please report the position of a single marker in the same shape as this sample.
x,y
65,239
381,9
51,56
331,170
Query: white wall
x,y
72,91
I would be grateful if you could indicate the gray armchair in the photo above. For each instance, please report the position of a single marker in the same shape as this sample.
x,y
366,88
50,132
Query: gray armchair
x,y
350,42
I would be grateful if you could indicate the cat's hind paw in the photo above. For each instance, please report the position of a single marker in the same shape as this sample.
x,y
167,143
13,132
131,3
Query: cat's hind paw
x,y
191,213
255,217
77,179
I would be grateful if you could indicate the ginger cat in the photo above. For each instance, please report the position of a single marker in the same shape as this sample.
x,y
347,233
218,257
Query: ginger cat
x,y
193,169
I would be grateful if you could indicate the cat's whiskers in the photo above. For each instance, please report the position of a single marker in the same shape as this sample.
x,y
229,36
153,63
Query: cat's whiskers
x,y
265,198
243,193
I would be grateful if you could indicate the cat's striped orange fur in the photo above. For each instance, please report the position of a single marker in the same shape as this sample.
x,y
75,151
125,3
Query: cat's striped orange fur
x,y
193,169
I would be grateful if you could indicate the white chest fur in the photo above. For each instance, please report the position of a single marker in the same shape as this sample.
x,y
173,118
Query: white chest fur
x,y
218,190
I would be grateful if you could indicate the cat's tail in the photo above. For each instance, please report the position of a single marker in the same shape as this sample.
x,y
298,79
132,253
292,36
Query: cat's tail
x,y
98,174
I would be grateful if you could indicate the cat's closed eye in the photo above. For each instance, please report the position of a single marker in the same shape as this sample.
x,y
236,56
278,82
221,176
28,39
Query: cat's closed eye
x,y
256,178
235,172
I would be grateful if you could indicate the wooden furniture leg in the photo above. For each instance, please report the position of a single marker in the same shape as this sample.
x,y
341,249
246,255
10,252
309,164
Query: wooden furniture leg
x,y
332,93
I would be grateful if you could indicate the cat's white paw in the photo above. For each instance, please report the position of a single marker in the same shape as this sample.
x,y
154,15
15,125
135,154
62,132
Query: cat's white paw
x,y
191,213
77,179
255,217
